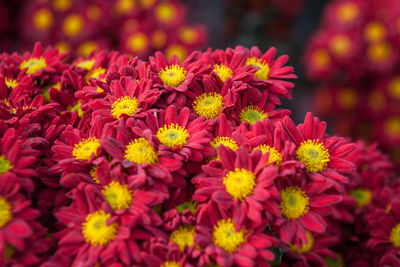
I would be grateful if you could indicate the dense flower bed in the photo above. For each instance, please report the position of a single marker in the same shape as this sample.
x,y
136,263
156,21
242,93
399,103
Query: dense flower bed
x,y
116,161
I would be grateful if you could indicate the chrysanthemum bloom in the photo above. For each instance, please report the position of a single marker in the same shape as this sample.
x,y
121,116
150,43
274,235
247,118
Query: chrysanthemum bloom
x,y
324,157
17,220
302,208
179,134
385,233
127,98
270,73
314,251
225,242
345,14
244,181
174,78
94,236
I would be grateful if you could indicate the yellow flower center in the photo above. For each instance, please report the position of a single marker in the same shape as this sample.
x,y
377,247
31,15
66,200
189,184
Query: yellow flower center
x,y
187,34
93,174
183,236
263,68
395,236
140,152
95,229
33,65
137,42
85,64
340,45
77,107
165,12
117,195
5,212
294,202
379,52
42,19
363,196
62,47
374,32
8,251
223,72
376,100
252,114
240,183
314,155
176,49
85,148
187,205
173,75
226,237
320,59
94,13
158,39
95,74
274,155
208,105
305,247
125,6
170,264
347,12
391,127
124,105
62,5
173,135
347,97
5,165
73,25
86,48
11,83
394,87
225,141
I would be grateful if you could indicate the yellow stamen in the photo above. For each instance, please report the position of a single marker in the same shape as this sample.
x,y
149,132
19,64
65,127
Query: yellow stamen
x,y
379,52
340,45
85,64
223,72
125,6
170,264
187,205
394,87
62,5
173,135
86,48
262,66
158,39
391,127
93,174
5,212
374,32
95,74
85,148
124,105
117,195
183,236
240,183
140,151
363,196
176,49
187,34
294,202
33,65
173,75
347,98
11,83
347,12
165,12
5,165
274,155
313,155
305,247
252,114
226,237
77,107
42,19
208,105
225,141
73,25
395,236
320,59
95,229
137,42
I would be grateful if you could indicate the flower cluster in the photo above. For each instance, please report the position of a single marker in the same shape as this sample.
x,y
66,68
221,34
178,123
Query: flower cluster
x,y
109,160
134,27
354,56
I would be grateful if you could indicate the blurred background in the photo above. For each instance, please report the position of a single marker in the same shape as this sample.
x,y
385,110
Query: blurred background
x,y
344,51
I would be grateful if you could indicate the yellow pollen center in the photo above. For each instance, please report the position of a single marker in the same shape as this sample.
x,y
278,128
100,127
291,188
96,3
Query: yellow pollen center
x,y
208,105
73,25
86,64
5,212
263,68
395,236
187,205
93,174
11,83
379,52
173,75
165,12
94,13
86,48
391,127
225,141
140,152
125,6
43,19
5,165
95,229
117,195
313,155
85,148
320,59
363,196
77,107
347,98
252,114
124,105
226,237
294,202
305,247
173,135
178,50
158,39
95,74
394,87
62,5
183,236
33,65
347,12
223,72
340,45
240,183
171,264
137,42
374,32
188,35
274,155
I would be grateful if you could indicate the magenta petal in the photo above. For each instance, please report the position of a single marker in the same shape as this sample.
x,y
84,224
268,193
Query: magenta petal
x,y
313,222
18,228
